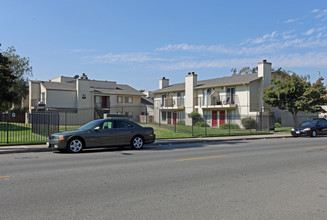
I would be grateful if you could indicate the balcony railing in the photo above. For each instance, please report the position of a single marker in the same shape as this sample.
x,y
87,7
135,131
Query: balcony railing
x,y
216,101
172,102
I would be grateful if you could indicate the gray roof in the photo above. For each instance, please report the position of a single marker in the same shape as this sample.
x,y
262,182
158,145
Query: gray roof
x,y
59,86
119,90
211,83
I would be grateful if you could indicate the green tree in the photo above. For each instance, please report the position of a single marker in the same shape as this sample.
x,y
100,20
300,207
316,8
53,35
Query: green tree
x,y
7,82
21,69
295,93
244,71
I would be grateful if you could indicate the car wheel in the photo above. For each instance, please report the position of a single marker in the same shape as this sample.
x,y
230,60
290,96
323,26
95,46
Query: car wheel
x,y
137,142
75,145
313,133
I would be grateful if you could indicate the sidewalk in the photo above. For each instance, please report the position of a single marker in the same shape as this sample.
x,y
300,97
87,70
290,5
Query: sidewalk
x,y
43,147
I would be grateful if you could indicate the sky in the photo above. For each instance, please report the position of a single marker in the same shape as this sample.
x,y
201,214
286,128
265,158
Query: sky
x,y
137,42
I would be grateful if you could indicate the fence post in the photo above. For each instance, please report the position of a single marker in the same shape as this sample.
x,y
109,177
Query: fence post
x,y
228,125
7,127
250,124
192,128
205,125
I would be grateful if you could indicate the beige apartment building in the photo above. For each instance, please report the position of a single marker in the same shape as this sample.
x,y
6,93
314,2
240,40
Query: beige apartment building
x,y
80,100
217,100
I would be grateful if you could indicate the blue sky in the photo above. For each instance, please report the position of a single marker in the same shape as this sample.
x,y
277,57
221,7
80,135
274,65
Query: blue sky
x,y
139,42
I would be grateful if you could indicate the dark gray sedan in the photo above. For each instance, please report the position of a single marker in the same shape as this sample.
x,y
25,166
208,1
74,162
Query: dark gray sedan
x,y
102,133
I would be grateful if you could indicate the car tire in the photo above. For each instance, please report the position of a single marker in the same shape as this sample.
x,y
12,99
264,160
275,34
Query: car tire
x,y
137,142
75,145
313,133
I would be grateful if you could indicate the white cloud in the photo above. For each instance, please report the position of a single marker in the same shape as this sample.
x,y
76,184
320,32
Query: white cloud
x,y
309,32
290,20
124,58
263,38
315,10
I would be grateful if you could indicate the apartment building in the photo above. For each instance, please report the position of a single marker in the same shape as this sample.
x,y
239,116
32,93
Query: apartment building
x,y
216,100
84,99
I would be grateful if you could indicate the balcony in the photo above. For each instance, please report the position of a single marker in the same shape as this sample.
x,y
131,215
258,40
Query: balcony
x,y
172,103
217,102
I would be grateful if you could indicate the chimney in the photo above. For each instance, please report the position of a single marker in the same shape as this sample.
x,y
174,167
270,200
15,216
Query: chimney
x,y
163,83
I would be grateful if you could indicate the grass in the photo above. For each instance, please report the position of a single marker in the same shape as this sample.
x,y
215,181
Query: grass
x,y
167,131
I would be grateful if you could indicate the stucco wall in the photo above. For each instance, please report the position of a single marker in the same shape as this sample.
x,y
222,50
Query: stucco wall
x,y
61,99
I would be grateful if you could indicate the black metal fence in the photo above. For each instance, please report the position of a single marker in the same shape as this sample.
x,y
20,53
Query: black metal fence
x,y
25,128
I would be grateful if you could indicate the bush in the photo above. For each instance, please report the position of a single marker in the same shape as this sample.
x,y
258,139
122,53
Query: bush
x,y
196,117
248,123
201,124
231,126
278,125
182,122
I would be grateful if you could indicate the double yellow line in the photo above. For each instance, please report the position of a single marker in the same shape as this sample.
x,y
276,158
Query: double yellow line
x,y
200,158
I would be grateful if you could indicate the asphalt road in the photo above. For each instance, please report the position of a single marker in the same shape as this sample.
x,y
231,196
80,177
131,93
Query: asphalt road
x,y
259,179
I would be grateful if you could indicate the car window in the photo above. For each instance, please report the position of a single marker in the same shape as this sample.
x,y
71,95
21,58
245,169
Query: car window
x,y
306,124
106,125
123,124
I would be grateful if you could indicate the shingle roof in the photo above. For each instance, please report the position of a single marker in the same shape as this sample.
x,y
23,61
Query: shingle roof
x,y
59,86
216,82
119,90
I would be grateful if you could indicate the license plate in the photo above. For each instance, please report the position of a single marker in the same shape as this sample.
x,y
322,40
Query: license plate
x,y
298,132
48,144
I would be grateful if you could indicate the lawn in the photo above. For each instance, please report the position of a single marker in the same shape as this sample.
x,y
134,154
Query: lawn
x,y
182,131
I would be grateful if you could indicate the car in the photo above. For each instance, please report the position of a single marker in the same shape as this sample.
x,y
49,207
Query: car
x,y
102,133
311,128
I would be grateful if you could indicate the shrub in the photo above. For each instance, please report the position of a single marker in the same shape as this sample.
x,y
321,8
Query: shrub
x,y
231,126
201,124
248,123
182,122
278,125
196,117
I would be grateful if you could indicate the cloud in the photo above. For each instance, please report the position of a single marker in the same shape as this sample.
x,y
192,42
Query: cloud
x,y
309,32
290,20
263,38
124,58
197,48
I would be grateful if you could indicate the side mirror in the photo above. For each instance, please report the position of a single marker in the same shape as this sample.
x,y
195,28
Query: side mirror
x,y
97,128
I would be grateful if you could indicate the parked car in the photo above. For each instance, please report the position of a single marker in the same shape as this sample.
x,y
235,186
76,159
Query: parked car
x,y
102,133
311,128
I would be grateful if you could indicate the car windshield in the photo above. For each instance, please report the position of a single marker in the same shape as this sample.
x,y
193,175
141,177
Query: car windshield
x,y
308,124
89,125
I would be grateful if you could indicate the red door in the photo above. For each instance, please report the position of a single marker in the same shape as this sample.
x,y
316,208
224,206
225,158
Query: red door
x,y
214,118
222,117
174,117
104,102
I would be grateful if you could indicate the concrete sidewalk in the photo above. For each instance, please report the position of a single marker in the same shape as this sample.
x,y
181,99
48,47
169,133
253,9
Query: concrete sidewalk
x,y
43,147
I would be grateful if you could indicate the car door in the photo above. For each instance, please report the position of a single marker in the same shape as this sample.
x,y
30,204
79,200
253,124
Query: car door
x,y
104,134
320,127
324,127
124,132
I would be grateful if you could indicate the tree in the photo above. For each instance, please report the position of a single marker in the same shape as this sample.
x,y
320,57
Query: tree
x,y
244,71
295,93
7,82
21,69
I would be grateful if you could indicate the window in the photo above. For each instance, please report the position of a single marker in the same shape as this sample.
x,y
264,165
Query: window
x,y
106,125
128,99
230,96
123,124
129,114
180,115
163,116
206,115
120,99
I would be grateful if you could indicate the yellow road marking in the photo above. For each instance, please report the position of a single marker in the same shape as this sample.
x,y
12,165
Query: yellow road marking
x,y
4,177
200,158
314,147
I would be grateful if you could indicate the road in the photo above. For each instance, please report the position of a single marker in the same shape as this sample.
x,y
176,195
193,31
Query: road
x,y
258,179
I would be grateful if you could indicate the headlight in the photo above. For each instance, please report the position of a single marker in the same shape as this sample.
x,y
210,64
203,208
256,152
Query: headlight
x,y
307,129
61,138
293,129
